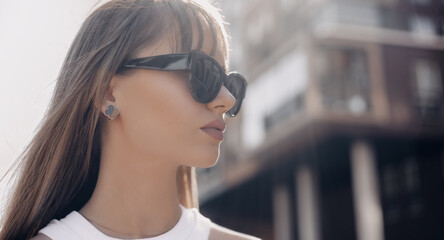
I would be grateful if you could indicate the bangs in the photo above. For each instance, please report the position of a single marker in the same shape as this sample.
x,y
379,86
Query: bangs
x,y
191,17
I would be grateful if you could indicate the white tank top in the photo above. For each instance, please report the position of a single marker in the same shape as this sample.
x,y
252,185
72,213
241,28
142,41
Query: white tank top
x,y
191,225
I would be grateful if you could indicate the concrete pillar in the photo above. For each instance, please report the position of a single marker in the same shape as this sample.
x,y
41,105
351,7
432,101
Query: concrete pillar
x,y
367,206
307,204
282,224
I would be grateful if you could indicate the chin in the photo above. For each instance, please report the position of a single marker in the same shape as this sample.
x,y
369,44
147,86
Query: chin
x,y
211,164
203,157
207,163
204,161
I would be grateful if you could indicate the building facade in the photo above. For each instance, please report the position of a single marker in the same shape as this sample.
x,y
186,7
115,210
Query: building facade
x,y
341,135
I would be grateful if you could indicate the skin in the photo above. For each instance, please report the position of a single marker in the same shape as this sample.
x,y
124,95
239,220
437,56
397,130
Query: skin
x,y
157,130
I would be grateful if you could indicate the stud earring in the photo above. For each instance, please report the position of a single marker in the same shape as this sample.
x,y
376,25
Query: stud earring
x,y
109,112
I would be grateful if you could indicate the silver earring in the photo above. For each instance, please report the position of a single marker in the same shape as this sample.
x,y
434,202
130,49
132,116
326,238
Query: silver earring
x,y
110,110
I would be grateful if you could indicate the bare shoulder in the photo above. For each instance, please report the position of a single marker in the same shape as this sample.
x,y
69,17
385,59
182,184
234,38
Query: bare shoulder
x,y
40,237
221,233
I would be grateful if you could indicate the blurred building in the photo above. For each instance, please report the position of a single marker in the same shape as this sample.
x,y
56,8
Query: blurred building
x,y
341,135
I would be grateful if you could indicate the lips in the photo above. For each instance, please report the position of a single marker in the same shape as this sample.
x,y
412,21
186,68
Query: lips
x,y
217,124
215,129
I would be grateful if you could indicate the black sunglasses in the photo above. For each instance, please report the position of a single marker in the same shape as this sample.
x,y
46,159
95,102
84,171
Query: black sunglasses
x,y
206,75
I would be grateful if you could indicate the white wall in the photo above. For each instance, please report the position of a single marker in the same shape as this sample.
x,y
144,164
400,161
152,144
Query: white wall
x,y
34,38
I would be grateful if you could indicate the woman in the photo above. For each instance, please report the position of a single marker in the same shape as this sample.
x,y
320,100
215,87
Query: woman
x,y
140,101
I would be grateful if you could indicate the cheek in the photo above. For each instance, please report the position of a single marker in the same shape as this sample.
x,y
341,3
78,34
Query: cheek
x,y
162,120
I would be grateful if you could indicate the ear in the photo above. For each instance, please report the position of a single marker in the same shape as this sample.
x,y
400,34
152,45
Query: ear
x,y
109,98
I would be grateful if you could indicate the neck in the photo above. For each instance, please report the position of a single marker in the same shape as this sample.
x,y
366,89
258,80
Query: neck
x,y
134,196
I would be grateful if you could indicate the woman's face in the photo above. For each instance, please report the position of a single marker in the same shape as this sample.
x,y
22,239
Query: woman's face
x,y
160,119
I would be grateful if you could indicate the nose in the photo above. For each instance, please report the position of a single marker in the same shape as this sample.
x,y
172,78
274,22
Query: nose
x,y
223,102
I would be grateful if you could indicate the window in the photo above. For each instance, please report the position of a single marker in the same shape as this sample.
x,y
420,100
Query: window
x,y
345,80
401,190
422,25
427,89
292,106
391,193
412,186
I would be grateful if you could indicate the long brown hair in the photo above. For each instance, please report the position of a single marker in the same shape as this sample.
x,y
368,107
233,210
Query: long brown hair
x,y
58,170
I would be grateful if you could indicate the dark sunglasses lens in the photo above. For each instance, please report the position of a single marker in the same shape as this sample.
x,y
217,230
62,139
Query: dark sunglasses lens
x,y
237,85
205,80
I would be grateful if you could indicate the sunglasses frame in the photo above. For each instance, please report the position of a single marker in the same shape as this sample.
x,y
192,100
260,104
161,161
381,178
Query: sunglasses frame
x,y
185,62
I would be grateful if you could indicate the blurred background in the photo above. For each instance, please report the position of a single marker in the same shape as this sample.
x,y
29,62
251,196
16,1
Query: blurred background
x,y
341,134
